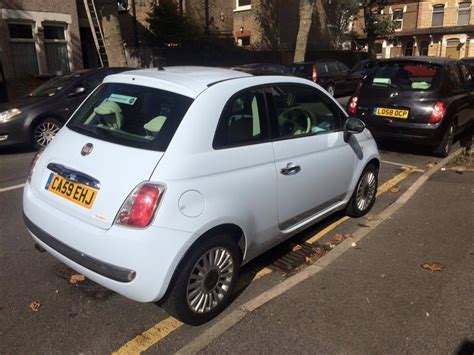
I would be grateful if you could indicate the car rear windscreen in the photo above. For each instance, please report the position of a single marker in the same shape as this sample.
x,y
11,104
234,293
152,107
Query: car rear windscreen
x,y
131,115
405,75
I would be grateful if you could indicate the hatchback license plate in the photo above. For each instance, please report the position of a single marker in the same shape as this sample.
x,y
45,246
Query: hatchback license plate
x,y
391,112
72,191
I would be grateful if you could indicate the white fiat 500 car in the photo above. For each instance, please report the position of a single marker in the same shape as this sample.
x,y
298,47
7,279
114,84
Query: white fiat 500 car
x,y
165,181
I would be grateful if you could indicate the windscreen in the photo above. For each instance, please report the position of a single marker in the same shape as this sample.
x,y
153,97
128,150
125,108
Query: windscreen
x,y
406,76
131,115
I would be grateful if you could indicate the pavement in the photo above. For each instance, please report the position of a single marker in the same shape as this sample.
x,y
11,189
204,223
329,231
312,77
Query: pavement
x,y
377,298
88,319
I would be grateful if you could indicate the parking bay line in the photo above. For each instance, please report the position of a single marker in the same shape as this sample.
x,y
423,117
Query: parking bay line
x,y
9,188
167,326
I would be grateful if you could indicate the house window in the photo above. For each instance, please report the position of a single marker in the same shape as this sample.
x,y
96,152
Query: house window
x,y
424,47
22,49
397,18
55,45
409,48
464,13
242,5
243,41
438,15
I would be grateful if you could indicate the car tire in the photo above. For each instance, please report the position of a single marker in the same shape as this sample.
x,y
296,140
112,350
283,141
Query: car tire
x,y
444,148
44,131
194,298
363,197
331,89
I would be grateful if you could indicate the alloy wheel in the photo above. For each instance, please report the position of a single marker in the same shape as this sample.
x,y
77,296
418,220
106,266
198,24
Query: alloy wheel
x,y
45,132
210,280
366,191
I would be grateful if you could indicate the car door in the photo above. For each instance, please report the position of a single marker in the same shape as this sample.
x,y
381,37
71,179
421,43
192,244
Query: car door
x,y
349,82
468,84
314,164
459,106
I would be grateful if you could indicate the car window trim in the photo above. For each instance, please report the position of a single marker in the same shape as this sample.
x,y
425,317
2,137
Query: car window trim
x,y
266,118
342,115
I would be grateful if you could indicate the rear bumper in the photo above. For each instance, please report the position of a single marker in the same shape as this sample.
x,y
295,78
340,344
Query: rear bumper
x,y
420,133
138,264
110,271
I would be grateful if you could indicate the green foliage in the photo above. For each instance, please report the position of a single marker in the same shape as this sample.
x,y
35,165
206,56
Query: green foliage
x,y
376,23
344,12
169,27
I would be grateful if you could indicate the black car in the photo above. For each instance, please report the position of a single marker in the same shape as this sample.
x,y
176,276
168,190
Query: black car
x,y
36,118
263,69
424,100
361,69
330,74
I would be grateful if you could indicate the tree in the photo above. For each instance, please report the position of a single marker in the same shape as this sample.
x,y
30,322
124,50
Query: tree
x,y
376,23
170,27
112,32
345,11
306,17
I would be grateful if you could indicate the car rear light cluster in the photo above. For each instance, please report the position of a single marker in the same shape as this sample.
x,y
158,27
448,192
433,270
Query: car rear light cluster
x,y
352,105
439,109
140,206
33,163
314,74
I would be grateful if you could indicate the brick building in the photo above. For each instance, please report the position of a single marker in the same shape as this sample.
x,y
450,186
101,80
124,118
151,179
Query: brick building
x,y
38,38
425,27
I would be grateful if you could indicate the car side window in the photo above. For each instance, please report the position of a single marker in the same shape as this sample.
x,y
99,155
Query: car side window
x,y
342,67
466,76
302,110
455,81
243,121
332,67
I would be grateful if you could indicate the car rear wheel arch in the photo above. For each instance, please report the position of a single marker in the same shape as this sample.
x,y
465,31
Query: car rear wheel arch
x,y
233,231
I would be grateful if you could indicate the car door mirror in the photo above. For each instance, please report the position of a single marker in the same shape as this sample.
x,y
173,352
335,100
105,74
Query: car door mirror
x,y
78,91
352,126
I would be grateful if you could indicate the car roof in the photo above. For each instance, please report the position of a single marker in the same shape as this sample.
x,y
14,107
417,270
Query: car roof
x,y
421,59
316,61
186,80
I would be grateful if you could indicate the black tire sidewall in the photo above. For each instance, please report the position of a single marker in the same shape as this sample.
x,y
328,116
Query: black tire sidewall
x,y
352,209
175,301
36,145
440,150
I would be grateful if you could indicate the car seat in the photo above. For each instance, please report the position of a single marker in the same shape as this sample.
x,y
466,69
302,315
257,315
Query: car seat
x,y
108,114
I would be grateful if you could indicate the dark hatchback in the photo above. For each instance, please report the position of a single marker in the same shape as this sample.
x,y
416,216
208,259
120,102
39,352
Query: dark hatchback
x,y
332,75
425,100
36,118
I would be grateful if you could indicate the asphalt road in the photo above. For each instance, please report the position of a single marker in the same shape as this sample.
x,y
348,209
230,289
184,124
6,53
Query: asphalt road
x,y
89,319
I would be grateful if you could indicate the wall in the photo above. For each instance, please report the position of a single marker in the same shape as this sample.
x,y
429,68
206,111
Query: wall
x,y
35,12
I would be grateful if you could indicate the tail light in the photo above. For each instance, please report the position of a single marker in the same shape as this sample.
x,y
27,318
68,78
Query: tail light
x,y
352,105
314,75
140,206
439,109
33,163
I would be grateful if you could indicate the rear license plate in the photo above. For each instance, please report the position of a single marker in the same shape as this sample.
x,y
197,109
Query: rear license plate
x,y
391,112
78,193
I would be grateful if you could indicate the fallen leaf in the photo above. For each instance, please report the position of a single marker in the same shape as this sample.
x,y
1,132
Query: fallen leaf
x,y
320,252
338,237
297,247
353,245
395,189
433,266
348,235
429,165
372,217
308,260
330,245
35,305
74,279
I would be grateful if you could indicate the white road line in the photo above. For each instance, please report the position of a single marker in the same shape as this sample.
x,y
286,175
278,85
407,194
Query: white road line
x,y
398,164
9,188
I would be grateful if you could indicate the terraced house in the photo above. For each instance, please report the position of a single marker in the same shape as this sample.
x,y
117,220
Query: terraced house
x,y
425,27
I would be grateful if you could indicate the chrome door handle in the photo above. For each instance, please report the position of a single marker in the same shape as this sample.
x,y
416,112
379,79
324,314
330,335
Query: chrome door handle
x,y
291,169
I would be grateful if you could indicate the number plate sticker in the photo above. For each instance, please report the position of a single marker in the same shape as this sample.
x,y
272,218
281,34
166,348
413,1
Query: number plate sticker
x,y
391,112
78,193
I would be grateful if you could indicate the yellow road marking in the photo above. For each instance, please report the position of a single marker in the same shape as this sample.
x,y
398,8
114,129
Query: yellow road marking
x,y
150,337
167,326
263,272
